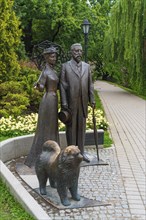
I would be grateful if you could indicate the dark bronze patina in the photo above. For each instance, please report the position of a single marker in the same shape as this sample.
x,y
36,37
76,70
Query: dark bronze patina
x,y
61,168
76,90
47,126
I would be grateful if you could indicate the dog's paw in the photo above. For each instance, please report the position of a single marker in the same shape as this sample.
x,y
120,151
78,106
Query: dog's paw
x,y
43,191
65,202
76,197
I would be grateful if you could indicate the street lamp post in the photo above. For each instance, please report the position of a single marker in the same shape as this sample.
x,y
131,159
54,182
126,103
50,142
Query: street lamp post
x,y
86,26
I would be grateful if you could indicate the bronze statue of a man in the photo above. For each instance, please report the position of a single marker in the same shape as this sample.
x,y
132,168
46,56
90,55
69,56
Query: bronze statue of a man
x,y
76,91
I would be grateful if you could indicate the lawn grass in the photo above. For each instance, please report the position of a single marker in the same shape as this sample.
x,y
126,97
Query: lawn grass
x,y
2,138
98,101
107,139
10,209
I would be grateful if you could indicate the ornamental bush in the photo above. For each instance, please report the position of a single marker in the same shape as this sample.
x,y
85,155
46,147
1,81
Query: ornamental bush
x,y
13,99
27,77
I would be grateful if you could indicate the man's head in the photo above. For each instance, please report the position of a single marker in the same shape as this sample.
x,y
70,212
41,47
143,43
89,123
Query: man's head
x,y
76,51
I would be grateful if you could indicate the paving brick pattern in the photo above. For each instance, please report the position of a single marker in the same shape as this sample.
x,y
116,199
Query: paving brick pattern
x,y
126,114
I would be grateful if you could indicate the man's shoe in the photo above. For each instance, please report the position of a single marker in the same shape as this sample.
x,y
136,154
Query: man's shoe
x,y
85,158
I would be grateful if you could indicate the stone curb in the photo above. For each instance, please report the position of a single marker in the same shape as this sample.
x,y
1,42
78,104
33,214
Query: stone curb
x,y
21,194
20,146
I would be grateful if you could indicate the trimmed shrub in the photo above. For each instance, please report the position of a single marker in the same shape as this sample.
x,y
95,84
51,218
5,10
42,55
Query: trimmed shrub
x,y
14,100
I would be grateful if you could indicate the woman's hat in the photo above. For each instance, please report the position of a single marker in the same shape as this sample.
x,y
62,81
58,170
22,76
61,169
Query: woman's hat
x,y
65,116
50,50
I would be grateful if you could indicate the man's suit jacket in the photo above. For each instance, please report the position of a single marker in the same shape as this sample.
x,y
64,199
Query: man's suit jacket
x,y
75,84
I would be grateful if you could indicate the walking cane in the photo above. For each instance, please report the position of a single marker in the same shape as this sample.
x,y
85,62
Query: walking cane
x,y
95,134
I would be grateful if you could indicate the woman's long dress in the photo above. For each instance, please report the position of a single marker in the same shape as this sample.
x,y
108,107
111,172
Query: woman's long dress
x,y
47,125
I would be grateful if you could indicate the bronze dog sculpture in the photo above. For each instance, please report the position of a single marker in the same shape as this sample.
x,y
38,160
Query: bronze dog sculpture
x,y
61,168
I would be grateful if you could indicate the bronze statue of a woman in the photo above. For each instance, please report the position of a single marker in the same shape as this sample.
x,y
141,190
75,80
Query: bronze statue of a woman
x,y
47,125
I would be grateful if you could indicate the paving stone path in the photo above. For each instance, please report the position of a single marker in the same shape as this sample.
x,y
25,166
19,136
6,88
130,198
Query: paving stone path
x,y
126,114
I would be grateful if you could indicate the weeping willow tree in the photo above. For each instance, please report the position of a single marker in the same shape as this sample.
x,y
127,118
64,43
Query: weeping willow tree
x,y
124,44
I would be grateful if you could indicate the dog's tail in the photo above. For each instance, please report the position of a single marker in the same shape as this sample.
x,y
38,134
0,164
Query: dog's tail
x,y
51,146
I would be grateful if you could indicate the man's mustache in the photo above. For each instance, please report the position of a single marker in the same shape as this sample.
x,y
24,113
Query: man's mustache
x,y
78,56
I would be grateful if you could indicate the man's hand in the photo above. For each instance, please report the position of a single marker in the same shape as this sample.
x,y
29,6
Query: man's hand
x,y
64,107
35,85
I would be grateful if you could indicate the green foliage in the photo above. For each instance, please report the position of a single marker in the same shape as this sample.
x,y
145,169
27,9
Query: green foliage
x,y
123,43
9,41
98,101
14,99
28,76
20,97
20,51
60,21
9,208
113,71
107,139
5,137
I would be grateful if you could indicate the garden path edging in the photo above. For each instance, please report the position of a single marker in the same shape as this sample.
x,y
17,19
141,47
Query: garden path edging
x,y
21,194
20,146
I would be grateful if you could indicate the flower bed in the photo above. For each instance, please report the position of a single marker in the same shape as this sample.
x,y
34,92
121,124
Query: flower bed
x,y
22,125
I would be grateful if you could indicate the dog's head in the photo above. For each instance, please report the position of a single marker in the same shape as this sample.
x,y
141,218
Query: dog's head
x,y
71,155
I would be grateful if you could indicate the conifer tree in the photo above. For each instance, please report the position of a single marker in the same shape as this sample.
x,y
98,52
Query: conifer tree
x,y
9,41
